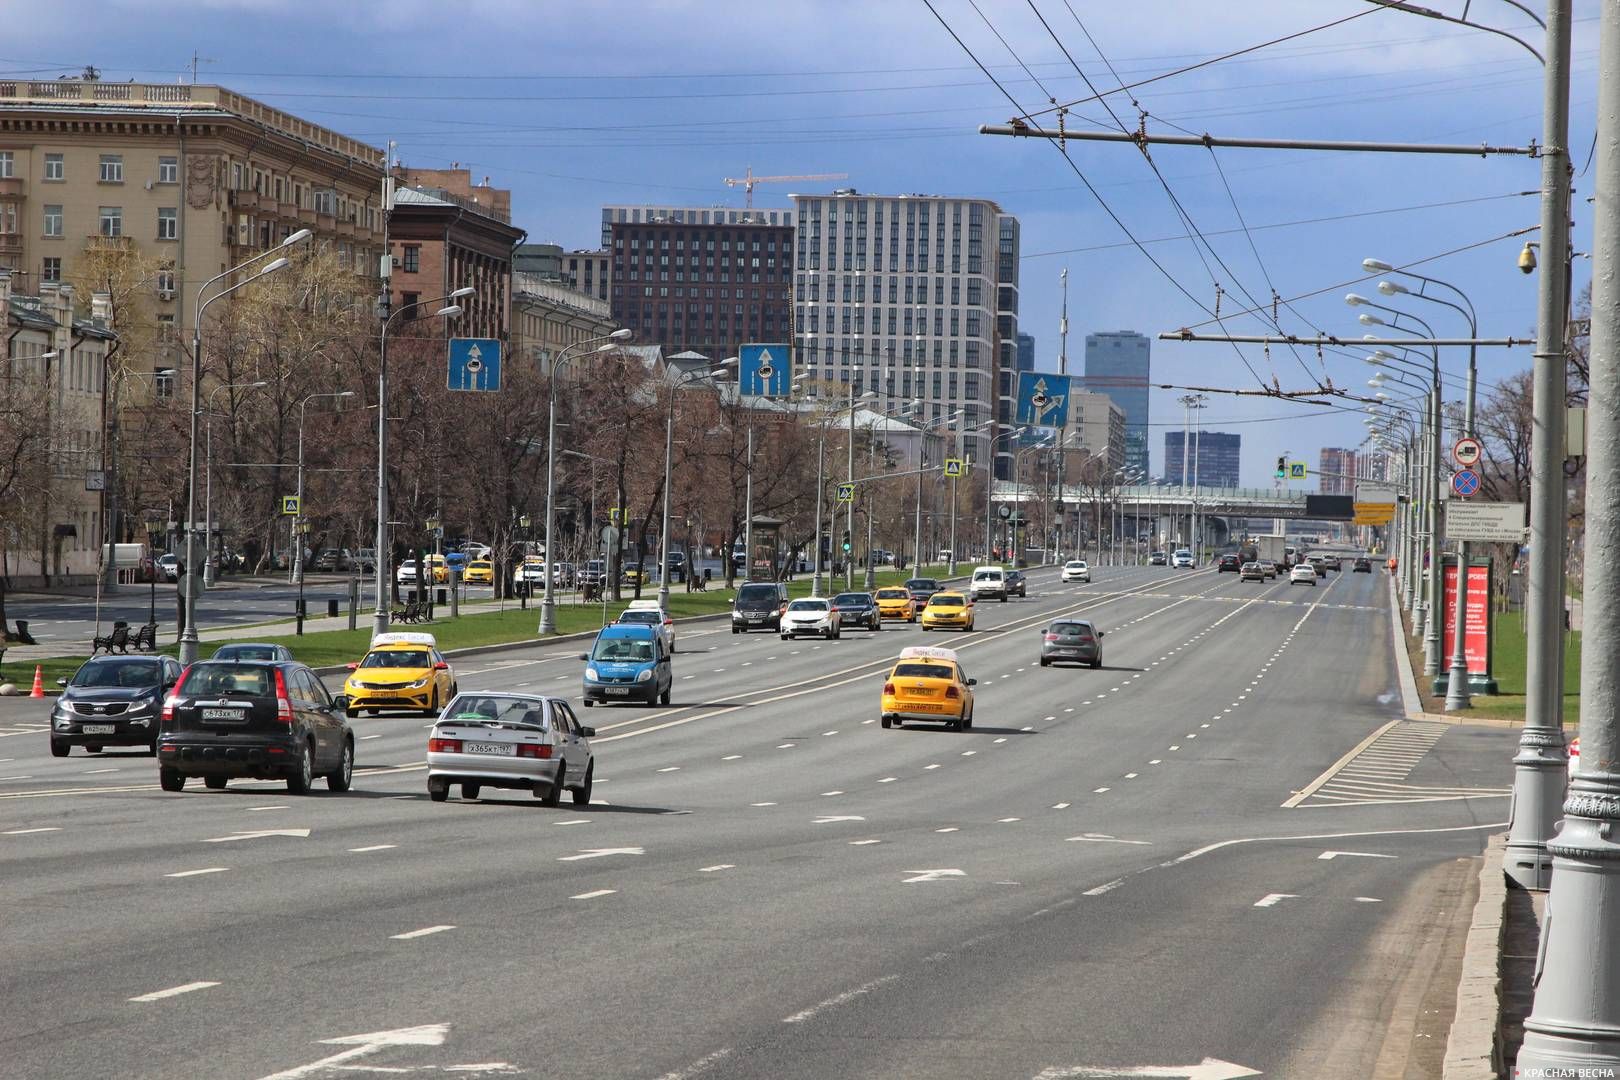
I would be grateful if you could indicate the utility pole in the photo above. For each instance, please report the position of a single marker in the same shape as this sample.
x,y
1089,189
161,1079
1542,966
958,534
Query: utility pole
x,y
1539,766
1068,402
1574,1026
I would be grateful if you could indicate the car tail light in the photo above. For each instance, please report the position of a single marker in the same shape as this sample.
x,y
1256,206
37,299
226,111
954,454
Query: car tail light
x,y
952,692
888,688
284,710
534,750
174,697
832,611
1051,637
444,746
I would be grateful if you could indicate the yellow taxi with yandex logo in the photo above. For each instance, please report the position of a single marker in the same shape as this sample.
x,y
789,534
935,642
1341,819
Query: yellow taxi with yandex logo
x,y
928,684
400,671
896,603
479,572
948,609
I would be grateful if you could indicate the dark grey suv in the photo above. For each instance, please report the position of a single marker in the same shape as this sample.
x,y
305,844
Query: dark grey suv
x,y
758,606
857,609
1072,641
112,701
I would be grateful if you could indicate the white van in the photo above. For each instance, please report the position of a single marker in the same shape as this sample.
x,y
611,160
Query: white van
x,y
989,581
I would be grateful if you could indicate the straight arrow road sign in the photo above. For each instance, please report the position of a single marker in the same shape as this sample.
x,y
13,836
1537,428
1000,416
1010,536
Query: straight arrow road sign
x,y
302,834
364,1045
930,875
1208,1069
602,853
1358,854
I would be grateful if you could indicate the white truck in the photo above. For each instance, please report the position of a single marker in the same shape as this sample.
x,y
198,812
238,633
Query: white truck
x,y
1272,549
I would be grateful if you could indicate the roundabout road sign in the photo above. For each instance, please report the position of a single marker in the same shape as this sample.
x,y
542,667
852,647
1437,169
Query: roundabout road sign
x,y
1467,452
1465,482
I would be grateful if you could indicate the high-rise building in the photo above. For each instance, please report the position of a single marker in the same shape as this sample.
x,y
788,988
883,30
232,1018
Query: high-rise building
x,y
913,297
1336,471
1026,351
1117,365
641,214
1214,461
702,288
589,272
1096,426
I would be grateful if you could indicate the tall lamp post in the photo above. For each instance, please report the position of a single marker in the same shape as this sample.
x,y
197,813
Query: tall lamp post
x,y
302,519
990,483
669,459
188,633
379,618
208,478
109,465
154,531
922,462
604,343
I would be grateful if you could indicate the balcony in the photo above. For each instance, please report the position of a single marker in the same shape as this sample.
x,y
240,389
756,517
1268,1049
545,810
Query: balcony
x,y
348,229
12,187
306,215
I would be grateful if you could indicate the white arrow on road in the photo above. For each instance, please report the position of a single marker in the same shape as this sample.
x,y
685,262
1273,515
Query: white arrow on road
x,y
601,853
302,834
930,875
1208,1069
1357,854
831,818
363,1045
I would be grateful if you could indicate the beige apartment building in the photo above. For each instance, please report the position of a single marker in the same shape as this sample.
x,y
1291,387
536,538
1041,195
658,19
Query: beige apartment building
x,y
548,317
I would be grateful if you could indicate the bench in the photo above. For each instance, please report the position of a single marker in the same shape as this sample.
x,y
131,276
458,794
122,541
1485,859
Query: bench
x,y
118,639
414,612
146,638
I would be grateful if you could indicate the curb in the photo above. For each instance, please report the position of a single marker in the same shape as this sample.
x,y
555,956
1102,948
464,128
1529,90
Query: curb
x,y
1411,700
1474,1046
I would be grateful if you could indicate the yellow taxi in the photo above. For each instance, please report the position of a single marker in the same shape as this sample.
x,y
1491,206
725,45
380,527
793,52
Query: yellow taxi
x,y
479,572
951,609
928,684
400,671
896,603
439,567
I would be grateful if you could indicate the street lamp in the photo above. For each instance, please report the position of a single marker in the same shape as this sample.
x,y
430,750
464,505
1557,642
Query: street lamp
x,y
154,529
208,479
379,621
604,343
188,633
669,459
922,461
109,464
301,519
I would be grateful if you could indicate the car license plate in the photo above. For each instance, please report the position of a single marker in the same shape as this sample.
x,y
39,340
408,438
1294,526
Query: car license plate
x,y
99,729
224,714
615,690
923,706
495,748
756,622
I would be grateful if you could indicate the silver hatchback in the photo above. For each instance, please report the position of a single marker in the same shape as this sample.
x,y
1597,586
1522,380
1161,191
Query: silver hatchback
x,y
523,741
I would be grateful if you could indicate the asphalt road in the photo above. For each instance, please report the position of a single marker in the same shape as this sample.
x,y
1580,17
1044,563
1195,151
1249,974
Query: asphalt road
x,y
1100,876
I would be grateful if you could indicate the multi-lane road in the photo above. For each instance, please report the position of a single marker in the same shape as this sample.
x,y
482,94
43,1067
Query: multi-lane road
x,y
1140,867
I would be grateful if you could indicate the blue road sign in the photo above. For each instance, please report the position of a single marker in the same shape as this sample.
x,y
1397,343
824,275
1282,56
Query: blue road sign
x,y
765,371
1043,399
1465,482
475,364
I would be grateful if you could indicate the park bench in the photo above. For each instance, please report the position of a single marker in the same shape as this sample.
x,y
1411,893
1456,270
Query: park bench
x,y
146,638
118,639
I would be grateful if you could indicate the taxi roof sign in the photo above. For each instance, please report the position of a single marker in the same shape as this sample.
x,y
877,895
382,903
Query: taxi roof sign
x,y
927,652
405,639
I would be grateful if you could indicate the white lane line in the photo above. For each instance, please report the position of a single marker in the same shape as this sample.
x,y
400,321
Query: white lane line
x,y
888,779
16,777
969,753
1007,820
1178,745
698,1067
194,873
670,768
372,847
871,721
834,1002
1104,838
1060,806
761,804
1156,761
424,932
824,734
282,807
573,821
948,828
1104,888
174,991
26,832
593,894
717,866
863,843
363,738
1098,791
786,746
1130,776
826,793
1200,725
98,772
1272,899
927,767
1368,900
685,677
1002,739
1051,718
731,757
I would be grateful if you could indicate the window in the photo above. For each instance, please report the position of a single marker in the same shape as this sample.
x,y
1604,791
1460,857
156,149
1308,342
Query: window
x,y
112,221
7,164
168,170
54,167
168,223
165,280
413,258
112,168
51,270
410,300
53,220
8,218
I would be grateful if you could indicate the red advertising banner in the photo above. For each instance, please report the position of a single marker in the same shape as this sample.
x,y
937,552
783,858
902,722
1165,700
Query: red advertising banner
x,y
1476,645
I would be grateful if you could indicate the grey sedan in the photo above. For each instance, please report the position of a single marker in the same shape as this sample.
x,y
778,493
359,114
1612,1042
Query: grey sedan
x,y
522,741
1073,641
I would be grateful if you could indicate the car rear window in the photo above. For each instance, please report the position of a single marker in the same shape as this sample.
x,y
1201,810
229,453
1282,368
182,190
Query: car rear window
x,y
985,575
1069,629
208,679
246,652
493,708
922,671
757,594
127,673
640,617
397,658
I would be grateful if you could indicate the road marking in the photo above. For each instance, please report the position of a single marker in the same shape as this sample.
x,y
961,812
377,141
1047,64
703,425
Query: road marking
x,y
888,779
1106,887
762,804
1359,854
593,894
262,833
424,932
1098,791
1007,820
824,734
948,828
698,1067
685,677
573,821
1272,899
363,738
98,772
671,768
930,875
1156,761
1060,806
1368,900
1178,746
253,808
1032,729
364,1045
826,793
1130,776
1002,739
1208,1069
786,746
174,991
863,843
602,853
1104,838
27,832
731,757
373,847
717,866
834,1002
194,873
830,819
16,777
969,753
927,767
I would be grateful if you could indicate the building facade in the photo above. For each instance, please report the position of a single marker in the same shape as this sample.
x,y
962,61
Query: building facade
x,y
1026,351
548,317
642,214
589,272
1336,471
1117,365
1097,426
442,241
1213,458
702,288
911,297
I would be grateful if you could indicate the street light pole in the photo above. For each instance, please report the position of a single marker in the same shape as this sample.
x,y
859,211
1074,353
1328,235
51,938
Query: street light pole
x,y
669,462
208,478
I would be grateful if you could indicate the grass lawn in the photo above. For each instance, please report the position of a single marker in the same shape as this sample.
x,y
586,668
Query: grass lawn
x,y
329,648
1508,664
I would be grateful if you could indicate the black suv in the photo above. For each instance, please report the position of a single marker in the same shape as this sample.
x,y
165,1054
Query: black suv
x,y
857,609
254,718
758,606
112,701
1229,563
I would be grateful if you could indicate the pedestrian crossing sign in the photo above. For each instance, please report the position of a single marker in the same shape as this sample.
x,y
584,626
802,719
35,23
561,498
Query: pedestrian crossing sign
x,y
953,466
846,493
289,505
1296,470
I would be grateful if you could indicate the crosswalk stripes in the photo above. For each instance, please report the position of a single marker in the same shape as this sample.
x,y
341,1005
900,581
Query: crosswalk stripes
x,y
23,729
1378,772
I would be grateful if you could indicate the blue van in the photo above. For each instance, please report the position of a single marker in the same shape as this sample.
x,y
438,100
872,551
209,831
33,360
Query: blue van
x,y
627,663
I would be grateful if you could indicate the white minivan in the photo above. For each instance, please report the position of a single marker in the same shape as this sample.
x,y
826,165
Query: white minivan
x,y
989,581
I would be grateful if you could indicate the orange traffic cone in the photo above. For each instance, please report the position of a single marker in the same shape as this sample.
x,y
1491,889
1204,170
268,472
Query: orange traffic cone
x,y
39,681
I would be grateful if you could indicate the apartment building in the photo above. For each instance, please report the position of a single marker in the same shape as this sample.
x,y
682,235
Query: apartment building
x,y
447,238
642,214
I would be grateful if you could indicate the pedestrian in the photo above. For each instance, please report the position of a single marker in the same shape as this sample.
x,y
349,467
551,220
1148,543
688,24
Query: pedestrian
x,y
180,594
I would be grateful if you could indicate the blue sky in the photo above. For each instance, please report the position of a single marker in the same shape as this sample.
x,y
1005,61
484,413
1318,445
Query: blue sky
x,y
575,104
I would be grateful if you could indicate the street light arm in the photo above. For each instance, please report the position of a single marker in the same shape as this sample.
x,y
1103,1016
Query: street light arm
x,y
1428,13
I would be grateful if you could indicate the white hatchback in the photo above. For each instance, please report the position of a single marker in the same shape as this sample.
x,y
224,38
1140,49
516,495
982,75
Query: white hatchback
x,y
502,740
1076,570
812,615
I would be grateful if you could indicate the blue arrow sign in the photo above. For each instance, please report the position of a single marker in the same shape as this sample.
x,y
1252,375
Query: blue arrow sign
x,y
764,371
475,364
1043,399
1465,482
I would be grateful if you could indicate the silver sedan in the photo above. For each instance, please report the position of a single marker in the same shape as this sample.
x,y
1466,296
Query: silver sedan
x,y
523,741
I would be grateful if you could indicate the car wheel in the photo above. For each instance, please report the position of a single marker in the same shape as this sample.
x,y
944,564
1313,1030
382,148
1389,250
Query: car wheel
x,y
969,721
1097,663
886,722
1045,662
433,704
352,714
438,790
343,776
215,783
582,794
1003,598
663,699
60,748
954,725
93,749
470,792
151,747
926,628
734,630
171,779
787,637
298,783
588,702
553,795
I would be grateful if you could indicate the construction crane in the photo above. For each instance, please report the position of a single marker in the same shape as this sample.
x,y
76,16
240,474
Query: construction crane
x,y
748,180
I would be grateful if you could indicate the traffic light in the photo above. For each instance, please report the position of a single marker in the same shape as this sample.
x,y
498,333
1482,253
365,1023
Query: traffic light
x,y
1282,467
846,541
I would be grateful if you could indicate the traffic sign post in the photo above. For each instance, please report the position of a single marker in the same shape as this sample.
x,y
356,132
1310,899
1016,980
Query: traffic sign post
x,y
1465,483
475,364
1467,452
1297,470
289,505
764,371
953,466
846,493
1043,399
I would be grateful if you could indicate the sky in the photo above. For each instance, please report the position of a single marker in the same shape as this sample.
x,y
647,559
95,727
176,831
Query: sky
x,y
572,105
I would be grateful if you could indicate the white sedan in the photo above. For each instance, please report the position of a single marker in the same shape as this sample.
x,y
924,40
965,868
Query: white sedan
x,y
810,616
1302,574
502,740
1076,570
648,613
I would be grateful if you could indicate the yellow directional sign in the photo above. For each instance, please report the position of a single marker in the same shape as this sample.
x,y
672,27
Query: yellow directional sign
x,y
1374,513
289,505
953,466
